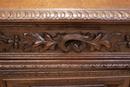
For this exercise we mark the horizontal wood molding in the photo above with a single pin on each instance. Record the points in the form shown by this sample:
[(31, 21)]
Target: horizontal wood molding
[(91, 74), (64, 64), (65, 56), (64, 15)]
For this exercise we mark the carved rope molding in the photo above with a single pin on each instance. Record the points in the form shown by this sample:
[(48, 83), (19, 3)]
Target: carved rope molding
[(51, 14), (73, 66), (77, 42)]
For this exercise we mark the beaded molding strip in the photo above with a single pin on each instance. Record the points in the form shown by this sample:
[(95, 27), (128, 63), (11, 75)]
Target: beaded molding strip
[(84, 14)]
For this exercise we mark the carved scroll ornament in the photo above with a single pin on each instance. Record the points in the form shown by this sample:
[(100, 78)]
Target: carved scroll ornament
[(77, 42)]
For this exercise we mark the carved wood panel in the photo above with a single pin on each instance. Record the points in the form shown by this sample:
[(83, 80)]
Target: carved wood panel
[(76, 52), (77, 42)]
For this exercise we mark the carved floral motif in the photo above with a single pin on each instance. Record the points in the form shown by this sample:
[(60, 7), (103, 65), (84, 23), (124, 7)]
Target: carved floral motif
[(66, 42)]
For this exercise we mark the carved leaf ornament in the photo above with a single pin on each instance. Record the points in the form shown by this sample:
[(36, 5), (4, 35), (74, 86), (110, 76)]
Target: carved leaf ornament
[(5, 43), (108, 40), (35, 40), (78, 42)]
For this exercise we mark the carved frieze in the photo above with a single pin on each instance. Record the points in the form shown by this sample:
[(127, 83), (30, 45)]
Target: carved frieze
[(77, 42)]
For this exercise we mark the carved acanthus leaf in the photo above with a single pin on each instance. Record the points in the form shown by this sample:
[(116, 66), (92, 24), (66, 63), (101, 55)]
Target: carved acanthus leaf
[(37, 41), (109, 40), (95, 43), (5, 43)]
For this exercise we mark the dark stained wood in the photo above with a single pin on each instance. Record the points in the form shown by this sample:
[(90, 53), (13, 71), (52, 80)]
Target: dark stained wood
[(39, 39), (64, 54), (75, 43)]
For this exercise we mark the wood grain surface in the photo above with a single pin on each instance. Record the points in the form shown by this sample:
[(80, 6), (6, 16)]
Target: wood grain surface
[(11, 4), (85, 46)]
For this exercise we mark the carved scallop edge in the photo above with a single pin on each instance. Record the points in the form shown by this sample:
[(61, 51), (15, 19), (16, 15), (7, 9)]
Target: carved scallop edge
[(64, 14), (65, 64), (65, 73)]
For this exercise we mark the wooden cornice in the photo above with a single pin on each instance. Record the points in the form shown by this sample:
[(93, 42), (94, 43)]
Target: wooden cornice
[(64, 15)]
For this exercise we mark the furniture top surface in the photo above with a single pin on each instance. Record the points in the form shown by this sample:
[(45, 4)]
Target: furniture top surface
[(22, 4)]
